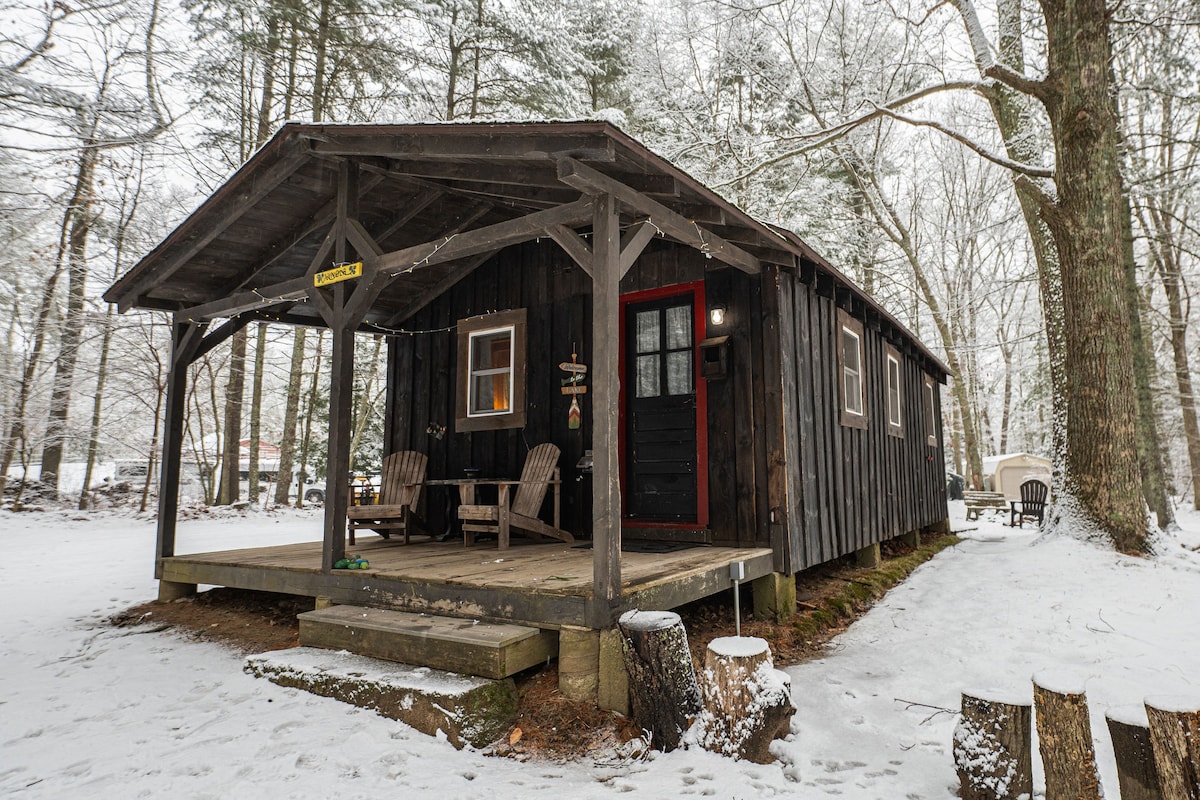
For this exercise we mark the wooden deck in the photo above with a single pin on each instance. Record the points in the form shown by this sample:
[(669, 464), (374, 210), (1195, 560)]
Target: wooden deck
[(544, 585)]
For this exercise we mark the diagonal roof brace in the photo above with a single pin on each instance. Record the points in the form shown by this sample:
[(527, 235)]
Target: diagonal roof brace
[(382, 269), (678, 227)]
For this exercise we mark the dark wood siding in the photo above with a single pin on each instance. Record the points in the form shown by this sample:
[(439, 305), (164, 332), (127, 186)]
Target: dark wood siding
[(776, 449), (847, 488), (557, 294)]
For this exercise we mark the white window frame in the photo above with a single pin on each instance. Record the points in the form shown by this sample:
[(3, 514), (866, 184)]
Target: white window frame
[(930, 414), (855, 417), (895, 403), (473, 373)]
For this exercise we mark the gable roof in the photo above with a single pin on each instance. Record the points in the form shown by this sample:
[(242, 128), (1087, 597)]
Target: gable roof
[(265, 228)]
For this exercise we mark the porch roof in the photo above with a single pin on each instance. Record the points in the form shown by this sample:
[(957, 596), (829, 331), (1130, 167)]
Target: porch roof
[(432, 202)]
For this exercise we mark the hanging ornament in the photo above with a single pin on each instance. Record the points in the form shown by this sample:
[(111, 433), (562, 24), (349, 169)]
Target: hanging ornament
[(574, 414)]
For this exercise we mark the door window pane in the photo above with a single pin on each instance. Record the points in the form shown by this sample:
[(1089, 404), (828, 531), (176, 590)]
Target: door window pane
[(679, 327), (647, 332), (679, 372), (647, 376)]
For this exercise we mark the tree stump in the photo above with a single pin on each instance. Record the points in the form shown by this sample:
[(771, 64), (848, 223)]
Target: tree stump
[(747, 702), (1175, 736), (662, 680), (1136, 772), (1065, 738), (993, 747)]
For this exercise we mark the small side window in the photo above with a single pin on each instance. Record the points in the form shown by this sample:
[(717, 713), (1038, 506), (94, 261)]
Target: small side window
[(895, 393), (491, 372), (931, 431), (852, 383)]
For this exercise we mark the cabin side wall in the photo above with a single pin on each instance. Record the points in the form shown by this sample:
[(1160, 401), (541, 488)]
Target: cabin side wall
[(848, 487)]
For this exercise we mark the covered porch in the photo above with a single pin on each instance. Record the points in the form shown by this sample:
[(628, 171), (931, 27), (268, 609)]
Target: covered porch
[(541, 585), (415, 219)]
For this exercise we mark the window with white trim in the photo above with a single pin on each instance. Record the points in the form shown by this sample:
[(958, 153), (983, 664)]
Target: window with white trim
[(491, 372), (931, 431), (852, 387), (895, 392)]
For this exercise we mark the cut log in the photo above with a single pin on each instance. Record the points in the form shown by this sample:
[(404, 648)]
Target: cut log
[(664, 695), (1136, 772), (747, 702), (1065, 738), (993, 748), (1175, 736)]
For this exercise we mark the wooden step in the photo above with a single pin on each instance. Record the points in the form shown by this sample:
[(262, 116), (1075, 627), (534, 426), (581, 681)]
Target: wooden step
[(457, 645)]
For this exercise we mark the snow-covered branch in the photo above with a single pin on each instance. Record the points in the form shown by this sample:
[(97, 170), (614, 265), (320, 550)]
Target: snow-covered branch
[(988, 66), (1007, 163)]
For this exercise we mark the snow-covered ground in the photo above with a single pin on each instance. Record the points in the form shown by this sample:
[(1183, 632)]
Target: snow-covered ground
[(91, 711)]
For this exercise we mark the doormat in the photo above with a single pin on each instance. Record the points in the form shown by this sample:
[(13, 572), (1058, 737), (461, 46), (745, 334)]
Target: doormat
[(645, 546)]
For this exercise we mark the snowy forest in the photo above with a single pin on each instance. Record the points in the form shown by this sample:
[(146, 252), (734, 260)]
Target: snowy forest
[(938, 153)]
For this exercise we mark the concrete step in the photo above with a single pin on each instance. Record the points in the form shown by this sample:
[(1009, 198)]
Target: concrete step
[(467, 710), (465, 646)]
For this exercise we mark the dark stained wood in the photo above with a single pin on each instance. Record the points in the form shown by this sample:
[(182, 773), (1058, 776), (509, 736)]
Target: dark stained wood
[(185, 338), (263, 185), (606, 378), (585, 179)]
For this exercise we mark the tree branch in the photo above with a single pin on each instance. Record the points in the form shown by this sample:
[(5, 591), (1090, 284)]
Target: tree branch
[(826, 136), (1015, 166), (987, 64)]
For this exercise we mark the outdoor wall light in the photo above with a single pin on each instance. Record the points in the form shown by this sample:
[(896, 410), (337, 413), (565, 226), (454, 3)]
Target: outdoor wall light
[(716, 315)]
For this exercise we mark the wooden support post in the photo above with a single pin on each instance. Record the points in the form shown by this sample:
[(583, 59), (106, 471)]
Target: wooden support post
[(662, 679), (606, 470), (170, 590), (868, 557), (1065, 738), (993, 750), (185, 339), (1175, 736), (1136, 771), (612, 694), (337, 462), (578, 662), (775, 596)]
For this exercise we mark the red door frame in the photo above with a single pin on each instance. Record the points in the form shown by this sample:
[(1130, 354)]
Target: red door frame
[(699, 326)]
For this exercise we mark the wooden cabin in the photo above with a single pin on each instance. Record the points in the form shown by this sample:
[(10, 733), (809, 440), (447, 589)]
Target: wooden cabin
[(745, 403)]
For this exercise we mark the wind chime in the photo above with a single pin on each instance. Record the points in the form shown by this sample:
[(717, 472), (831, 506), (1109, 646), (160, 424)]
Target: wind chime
[(573, 385)]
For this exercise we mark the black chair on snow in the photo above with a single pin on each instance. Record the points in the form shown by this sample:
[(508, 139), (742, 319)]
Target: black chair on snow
[(1032, 504)]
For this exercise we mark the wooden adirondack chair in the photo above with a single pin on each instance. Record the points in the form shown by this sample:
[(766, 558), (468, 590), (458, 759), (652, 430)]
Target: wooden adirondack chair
[(1032, 504), (540, 472), (399, 489)]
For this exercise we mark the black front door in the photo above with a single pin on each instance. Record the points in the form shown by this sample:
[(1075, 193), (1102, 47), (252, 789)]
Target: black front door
[(660, 421)]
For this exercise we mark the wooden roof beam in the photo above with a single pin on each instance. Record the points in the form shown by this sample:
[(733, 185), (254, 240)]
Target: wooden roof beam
[(531, 176), (388, 266), (259, 188), (474, 144), (586, 179)]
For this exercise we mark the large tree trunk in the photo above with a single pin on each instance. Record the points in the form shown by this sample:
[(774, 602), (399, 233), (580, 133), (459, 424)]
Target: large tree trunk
[(1102, 465), (260, 355), (287, 443), (80, 216), (748, 702), (1012, 112), (1150, 450), (230, 490)]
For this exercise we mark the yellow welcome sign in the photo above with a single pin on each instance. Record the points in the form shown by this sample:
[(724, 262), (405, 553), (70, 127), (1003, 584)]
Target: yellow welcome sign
[(344, 272)]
